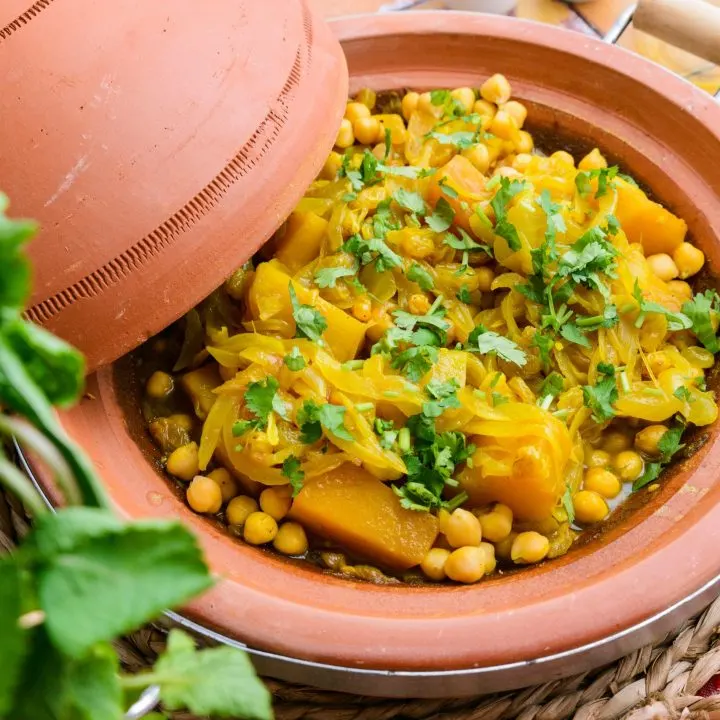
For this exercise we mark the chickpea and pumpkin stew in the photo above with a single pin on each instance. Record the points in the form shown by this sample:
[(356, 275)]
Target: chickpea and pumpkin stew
[(456, 354)]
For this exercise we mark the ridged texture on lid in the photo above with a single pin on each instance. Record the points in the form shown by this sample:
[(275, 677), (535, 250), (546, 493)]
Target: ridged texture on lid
[(159, 144)]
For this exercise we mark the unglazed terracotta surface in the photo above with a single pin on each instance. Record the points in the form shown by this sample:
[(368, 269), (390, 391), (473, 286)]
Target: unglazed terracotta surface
[(158, 144), (667, 134)]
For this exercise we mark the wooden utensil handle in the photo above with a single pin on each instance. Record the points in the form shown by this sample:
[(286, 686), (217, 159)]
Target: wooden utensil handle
[(693, 25)]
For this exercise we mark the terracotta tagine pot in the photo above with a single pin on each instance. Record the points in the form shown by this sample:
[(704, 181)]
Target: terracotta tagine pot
[(653, 565)]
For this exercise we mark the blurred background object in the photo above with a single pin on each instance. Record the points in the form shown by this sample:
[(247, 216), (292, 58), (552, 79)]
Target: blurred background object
[(593, 17)]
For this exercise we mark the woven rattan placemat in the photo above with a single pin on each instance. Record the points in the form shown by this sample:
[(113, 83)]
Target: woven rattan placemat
[(659, 681)]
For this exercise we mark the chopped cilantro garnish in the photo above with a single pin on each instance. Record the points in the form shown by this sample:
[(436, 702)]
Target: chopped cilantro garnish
[(463, 139), (415, 362), (463, 294), (291, 470), (442, 217), (417, 273), (572, 333), (682, 393), (604, 177), (309, 323), (412, 201), (388, 142), (499, 399), (555, 221), (327, 277), (374, 251), (568, 505), (650, 474), (601, 396), (312, 418), (294, 360), (484, 341), (544, 343), (675, 320), (260, 399), (439, 97), (590, 255), (508, 190), (700, 311), (552, 385), (451, 192), (668, 445), (464, 242), (444, 396)]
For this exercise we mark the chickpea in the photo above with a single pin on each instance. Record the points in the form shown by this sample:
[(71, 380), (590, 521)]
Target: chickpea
[(424, 104), (367, 97), (463, 528), (226, 483), (159, 385), (663, 266), (409, 104), (522, 160), (646, 441), (603, 482), (615, 442), (503, 125), (418, 304), (680, 289), (466, 564), (594, 160), (239, 509), (433, 564), (356, 110), (598, 459), (291, 539), (698, 357), (276, 501), (485, 277), (345, 137), (508, 172), (362, 309), (564, 158), (490, 561), (260, 528), (496, 89), (529, 547), (688, 259), (479, 156), (484, 108), (204, 495), (628, 465), (366, 130), (503, 549), (496, 525), (590, 507), (332, 165), (183, 462), (466, 97), (517, 111)]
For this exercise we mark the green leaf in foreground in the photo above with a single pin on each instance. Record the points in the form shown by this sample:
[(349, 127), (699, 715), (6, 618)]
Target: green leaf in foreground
[(98, 579), (412, 201), (219, 681), (699, 311), (14, 266), (327, 277), (13, 639), (417, 273), (294, 360), (291, 470), (442, 217)]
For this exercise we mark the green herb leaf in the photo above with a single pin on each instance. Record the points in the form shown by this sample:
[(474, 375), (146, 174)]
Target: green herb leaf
[(413, 172), (700, 310), (412, 201), (294, 360), (572, 333), (448, 190), (601, 397), (604, 177), (463, 294), (464, 242), (91, 688), (462, 140), (676, 321), (219, 681), (552, 385), (544, 343), (260, 399), (417, 273), (388, 143), (100, 578), (484, 341), (13, 639), (499, 399), (444, 397), (507, 191), (650, 474), (682, 393), (332, 418), (291, 470), (415, 362), (442, 217), (670, 443), (14, 266), (309, 323), (312, 418), (327, 277)]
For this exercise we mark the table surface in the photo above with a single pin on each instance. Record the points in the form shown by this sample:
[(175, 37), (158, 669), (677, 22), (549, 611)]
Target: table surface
[(595, 17)]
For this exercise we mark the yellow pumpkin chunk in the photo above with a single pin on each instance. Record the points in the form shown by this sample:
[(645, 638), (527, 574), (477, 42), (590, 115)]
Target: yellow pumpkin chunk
[(199, 385), (352, 508), (302, 239)]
